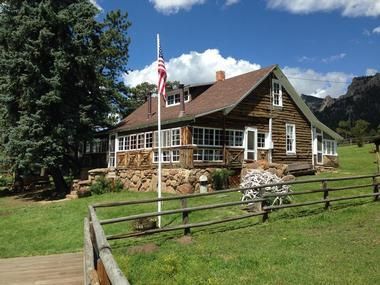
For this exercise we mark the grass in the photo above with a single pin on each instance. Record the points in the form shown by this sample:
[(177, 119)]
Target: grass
[(298, 246)]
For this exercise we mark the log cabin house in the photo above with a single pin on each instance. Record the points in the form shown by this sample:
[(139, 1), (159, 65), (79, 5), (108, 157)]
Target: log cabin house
[(254, 116)]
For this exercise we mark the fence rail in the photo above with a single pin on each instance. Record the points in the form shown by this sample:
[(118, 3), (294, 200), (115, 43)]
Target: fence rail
[(101, 268)]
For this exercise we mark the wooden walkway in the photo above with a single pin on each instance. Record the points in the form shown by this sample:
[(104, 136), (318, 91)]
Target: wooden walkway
[(56, 269)]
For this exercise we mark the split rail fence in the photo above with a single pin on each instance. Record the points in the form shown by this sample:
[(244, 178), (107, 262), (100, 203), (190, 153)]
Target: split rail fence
[(101, 267)]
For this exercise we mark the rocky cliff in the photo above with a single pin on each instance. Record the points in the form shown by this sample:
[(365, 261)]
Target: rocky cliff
[(362, 101)]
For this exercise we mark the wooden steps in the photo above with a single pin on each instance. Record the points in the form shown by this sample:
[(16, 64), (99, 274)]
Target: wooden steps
[(43, 270)]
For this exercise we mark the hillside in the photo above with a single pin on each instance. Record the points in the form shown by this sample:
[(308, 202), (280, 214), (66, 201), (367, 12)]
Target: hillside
[(362, 101)]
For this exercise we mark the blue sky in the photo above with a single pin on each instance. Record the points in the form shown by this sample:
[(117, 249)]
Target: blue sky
[(328, 41)]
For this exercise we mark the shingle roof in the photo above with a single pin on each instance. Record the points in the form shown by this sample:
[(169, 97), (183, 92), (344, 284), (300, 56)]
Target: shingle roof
[(221, 95)]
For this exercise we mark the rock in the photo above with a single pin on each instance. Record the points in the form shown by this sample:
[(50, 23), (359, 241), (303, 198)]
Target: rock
[(83, 193), (288, 178), (186, 188), (84, 182), (169, 189), (272, 170), (135, 179), (173, 172)]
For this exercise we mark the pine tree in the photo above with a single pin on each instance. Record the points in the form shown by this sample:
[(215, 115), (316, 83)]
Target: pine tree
[(60, 72)]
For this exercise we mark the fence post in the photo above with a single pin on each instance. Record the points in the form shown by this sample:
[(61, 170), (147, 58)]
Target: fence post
[(375, 188), (263, 204), (185, 216), (325, 193)]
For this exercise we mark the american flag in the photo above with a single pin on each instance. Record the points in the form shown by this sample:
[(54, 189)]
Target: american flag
[(161, 74)]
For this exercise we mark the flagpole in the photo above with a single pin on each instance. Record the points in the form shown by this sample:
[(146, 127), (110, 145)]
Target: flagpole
[(159, 174)]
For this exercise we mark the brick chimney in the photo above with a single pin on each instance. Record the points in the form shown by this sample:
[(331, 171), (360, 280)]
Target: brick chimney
[(220, 75), (182, 100)]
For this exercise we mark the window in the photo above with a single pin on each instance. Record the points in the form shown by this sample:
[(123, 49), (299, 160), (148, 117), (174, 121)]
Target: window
[(234, 138), (276, 93), (167, 156), (133, 142), (290, 138), (187, 96), (121, 143), (198, 136), (329, 147), (174, 99), (175, 155), (262, 140), (176, 137), (148, 140), (126, 143), (140, 141), (99, 145), (208, 155)]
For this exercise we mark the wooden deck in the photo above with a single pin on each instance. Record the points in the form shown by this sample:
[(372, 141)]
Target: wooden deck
[(43, 270)]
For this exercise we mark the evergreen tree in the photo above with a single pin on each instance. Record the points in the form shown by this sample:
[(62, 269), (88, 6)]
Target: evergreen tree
[(60, 76)]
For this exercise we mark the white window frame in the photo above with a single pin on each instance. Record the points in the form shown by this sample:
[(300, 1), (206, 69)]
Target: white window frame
[(279, 94), (333, 145), (215, 141), (202, 155), (179, 102), (266, 140), (293, 150)]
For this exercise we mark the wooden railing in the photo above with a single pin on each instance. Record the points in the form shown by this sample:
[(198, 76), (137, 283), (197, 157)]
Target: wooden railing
[(101, 267)]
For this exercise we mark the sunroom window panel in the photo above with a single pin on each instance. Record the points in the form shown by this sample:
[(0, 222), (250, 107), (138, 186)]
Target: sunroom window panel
[(209, 137), (198, 136), (121, 143), (148, 140), (133, 142), (141, 140), (176, 137), (218, 137), (239, 138), (126, 143)]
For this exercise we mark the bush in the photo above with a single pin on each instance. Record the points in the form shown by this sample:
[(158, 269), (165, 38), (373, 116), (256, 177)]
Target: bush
[(220, 178), (103, 185), (100, 186), (118, 186), (5, 180)]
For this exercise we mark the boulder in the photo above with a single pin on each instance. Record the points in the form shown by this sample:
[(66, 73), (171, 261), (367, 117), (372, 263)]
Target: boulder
[(186, 188)]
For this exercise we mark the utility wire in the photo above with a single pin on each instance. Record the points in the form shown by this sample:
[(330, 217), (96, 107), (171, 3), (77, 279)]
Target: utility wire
[(319, 80)]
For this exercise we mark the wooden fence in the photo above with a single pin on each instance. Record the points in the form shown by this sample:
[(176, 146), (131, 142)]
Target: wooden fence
[(101, 268)]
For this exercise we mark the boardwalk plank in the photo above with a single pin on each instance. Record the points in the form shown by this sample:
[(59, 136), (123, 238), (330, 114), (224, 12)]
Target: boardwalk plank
[(42, 270)]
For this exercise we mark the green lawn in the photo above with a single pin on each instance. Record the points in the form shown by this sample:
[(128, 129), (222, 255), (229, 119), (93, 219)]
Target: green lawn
[(298, 246)]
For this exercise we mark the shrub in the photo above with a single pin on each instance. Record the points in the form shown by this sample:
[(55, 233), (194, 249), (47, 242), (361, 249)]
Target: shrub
[(100, 186), (103, 185), (220, 178), (118, 186)]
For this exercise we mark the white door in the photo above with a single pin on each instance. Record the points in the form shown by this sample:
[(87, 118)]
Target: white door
[(250, 143), (319, 149)]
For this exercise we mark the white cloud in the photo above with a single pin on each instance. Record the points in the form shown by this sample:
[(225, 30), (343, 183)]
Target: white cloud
[(376, 30), (231, 2), (193, 67), (350, 8), (93, 2), (371, 71), (334, 58), (305, 58), (173, 6), (200, 67), (318, 84)]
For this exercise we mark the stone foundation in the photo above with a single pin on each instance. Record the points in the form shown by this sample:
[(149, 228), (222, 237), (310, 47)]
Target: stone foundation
[(182, 181)]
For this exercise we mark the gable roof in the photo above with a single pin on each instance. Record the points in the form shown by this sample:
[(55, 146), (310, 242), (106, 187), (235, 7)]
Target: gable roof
[(221, 96)]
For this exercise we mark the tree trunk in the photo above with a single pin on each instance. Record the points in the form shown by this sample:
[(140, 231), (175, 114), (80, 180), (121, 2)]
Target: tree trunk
[(60, 184)]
